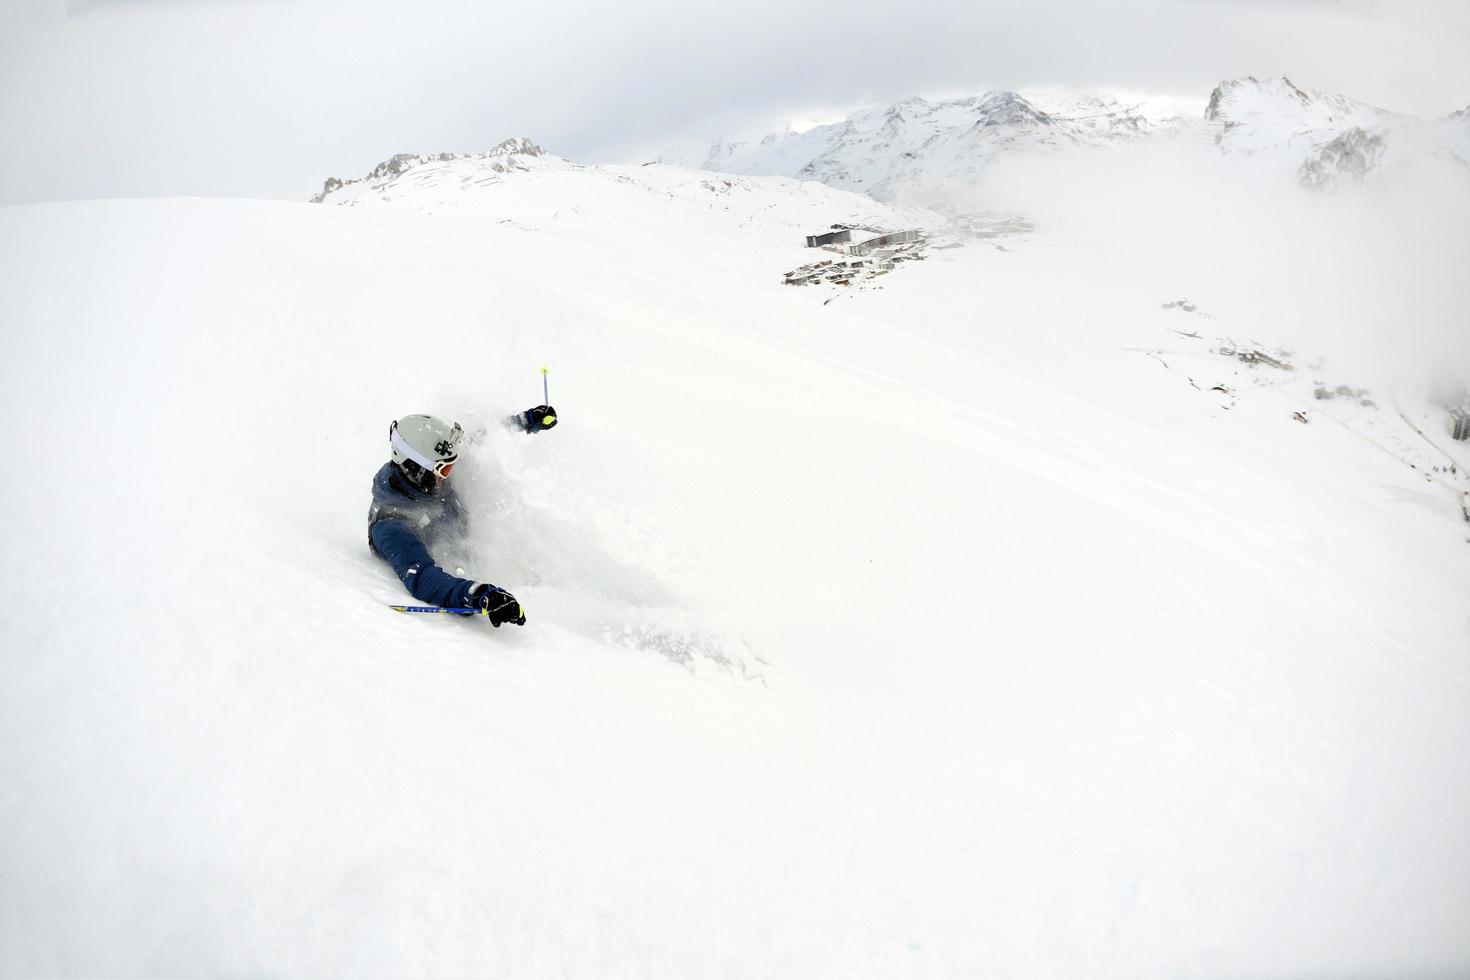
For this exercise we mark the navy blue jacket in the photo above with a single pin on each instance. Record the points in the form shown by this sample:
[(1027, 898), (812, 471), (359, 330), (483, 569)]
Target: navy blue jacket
[(401, 519)]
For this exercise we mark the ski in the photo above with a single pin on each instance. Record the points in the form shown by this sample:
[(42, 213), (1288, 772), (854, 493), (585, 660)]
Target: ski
[(434, 609)]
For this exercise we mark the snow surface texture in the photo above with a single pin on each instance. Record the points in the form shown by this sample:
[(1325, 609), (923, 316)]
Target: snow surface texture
[(922, 152), (1000, 621)]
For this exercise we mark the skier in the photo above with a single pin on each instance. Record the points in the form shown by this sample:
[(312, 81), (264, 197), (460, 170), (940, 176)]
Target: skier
[(413, 506)]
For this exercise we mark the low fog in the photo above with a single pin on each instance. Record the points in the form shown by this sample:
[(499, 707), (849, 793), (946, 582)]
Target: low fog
[(1369, 276)]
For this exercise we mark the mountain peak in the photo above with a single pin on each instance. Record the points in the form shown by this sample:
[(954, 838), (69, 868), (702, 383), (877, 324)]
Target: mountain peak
[(517, 146), (1254, 114), (1250, 87), (506, 156), (1009, 109), (912, 102)]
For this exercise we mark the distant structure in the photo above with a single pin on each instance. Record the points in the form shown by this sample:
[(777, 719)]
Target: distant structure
[(885, 241), (840, 236), (876, 255), (1460, 420), (878, 252)]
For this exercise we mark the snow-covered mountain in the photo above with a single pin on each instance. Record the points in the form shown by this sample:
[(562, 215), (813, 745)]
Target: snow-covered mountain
[(922, 151), (1254, 114), (914, 147), (510, 155), (519, 182), (1331, 139), (1029, 614)]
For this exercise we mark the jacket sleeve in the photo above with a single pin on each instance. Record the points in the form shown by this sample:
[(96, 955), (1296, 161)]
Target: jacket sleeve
[(400, 547)]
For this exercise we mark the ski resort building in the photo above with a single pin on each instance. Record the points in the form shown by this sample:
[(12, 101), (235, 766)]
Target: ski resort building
[(838, 236), (885, 241)]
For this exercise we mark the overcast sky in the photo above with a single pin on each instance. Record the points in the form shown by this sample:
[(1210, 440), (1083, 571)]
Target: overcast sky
[(269, 97)]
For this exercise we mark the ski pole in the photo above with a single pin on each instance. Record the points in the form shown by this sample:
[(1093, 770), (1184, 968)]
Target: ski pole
[(433, 609), (545, 395)]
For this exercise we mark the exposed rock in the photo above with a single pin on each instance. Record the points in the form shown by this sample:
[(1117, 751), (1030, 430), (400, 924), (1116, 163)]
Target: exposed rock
[(332, 184), (503, 158), (1350, 158), (519, 146), (1010, 109)]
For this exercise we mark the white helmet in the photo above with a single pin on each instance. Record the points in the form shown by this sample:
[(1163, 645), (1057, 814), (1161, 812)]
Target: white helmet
[(425, 448)]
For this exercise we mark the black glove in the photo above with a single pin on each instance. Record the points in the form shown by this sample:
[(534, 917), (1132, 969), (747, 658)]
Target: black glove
[(538, 418), (498, 605)]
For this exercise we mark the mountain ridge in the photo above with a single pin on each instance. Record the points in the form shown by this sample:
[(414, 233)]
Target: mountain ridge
[(515, 153), (915, 147)]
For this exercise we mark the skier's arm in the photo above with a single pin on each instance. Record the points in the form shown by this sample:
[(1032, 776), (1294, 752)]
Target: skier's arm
[(536, 419), (395, 541)]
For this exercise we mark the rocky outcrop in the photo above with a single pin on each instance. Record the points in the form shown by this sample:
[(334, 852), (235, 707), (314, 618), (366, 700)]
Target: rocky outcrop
[(1350, 158), (509, 155)]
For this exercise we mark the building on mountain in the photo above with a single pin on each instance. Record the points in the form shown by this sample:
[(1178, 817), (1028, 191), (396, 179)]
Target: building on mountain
[(838, 236), (884, 241)]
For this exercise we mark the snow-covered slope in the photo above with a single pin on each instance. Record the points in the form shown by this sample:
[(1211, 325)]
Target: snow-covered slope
[(924, 631)]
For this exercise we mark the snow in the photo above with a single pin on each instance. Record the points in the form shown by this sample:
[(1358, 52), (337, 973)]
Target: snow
[(952, 628)]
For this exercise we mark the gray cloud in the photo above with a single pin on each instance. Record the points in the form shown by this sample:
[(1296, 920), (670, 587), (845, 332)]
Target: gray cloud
[(268, 97)]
